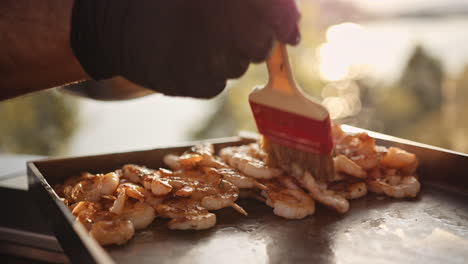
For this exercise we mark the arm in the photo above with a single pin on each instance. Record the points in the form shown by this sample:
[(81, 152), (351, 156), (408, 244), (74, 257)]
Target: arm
[(181, 48), (35, 53)]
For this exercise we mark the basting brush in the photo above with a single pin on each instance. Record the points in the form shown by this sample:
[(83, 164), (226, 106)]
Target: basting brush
[(296, 129)]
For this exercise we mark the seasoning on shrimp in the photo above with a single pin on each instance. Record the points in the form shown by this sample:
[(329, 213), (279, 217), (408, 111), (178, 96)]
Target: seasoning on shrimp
[(112, 206)]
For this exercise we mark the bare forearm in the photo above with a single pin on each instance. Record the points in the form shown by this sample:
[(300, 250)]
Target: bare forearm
[(35, 53)]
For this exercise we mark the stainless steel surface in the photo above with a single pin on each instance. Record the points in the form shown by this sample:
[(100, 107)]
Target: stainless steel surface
[(433, 228), (116, 88)]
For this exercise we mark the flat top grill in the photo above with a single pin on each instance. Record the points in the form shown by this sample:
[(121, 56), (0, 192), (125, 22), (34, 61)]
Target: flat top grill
[(432, 228)]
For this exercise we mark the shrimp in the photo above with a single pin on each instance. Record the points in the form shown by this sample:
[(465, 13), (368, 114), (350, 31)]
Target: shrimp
[(350, 190), (343, 164), (206, 151), (240, 159), (134, 173), (109, 183), (210, 164), (408, 186), (91, 187), (199, 155), (360, 148), (160, 187), (113, 231), (186, 214), (64, 190), (218, 201), (126, 190), (398, 158), (119, 203), (105, 227), (211, 189), (206, 186), (324, 195), (132, 190), (355, 144), (150, 179), (189, 160), (172, 161), (152, 200), (372, 160), (185, 191), (236, 178), (288, 203), (288, 182), (139, 213), (195, 222), (85, 211)]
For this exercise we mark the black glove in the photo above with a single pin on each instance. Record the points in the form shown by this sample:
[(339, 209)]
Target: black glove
[(179, 47)]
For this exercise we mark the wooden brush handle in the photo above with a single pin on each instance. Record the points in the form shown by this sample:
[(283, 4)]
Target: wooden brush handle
[(279, 71)]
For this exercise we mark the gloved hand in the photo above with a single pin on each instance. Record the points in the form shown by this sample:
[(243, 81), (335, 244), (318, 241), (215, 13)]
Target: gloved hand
[(179, 47)]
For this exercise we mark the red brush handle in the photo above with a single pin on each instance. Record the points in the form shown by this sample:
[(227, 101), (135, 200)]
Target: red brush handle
[(293, 130)]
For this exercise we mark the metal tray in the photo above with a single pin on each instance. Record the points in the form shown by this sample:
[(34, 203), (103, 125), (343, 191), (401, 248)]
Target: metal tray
[(432, 228)]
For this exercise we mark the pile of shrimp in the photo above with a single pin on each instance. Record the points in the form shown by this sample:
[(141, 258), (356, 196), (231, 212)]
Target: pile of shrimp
[(112, 206), (360, 167)]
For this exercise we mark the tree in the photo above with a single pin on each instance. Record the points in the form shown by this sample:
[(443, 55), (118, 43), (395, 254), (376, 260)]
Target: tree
[(423, 77), (39, 123), (412, 108)]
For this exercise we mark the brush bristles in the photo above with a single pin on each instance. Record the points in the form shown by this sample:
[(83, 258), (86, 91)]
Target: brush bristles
[(319, 165)]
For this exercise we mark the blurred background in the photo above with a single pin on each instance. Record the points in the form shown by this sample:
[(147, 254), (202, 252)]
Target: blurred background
[(394, 66)]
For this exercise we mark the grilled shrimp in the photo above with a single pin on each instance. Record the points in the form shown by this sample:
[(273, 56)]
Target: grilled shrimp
[(172, 161), (85, 211), (135, 173), (353, 144), (206, 151), (201, 155), (150, 179), (186, 214), (152, 200), (138, 212), (343, 164), (211, 189), (106, 227), (398, 158), (240, 159), (160, 186), (210, 164), (360, 148), (113, 231), (324, 195), (124, 191), (198, 155), (196, 222), (91, 187), (350, 191), (407, 186), (206, 185), (288, 203), (235, 177)]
